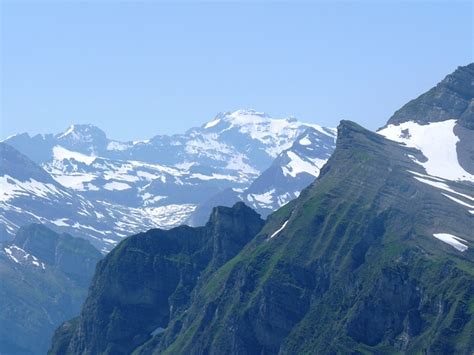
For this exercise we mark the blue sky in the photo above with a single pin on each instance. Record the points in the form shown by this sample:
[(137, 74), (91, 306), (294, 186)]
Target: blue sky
[(145, 68)]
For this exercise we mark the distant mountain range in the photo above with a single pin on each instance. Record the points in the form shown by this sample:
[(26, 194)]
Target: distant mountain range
[(375, 256), (291, 171), (81, 182)]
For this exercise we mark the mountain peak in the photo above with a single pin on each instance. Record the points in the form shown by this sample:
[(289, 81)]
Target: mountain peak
[(461, 80), (451, 98), (245, 116), (249, 112), (239, 117), (82, 132), (346, 129)]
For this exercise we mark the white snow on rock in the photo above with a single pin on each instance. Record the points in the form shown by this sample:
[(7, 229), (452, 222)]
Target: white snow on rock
[(455, 242), (279, 229), (61, 222), (298, 165), (442, 186), (305, 141), (169, 215), (214, 176), (115, 185), (212, 123), (61, 153), (458, 201), (277, 134), (265, 198), (76, 181), (20, 256), (436, 141), (68, 132), (11, 188), (114, 145)]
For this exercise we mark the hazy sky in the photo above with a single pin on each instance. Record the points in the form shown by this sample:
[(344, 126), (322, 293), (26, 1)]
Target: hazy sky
[(144, 68)]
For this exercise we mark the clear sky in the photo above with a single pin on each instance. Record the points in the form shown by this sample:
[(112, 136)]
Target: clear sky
[(136, 69)]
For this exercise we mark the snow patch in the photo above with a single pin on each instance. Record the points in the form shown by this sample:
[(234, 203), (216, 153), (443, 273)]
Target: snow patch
[(452, 240), (305, 141), (76, 181), (265, 198), (458, 201), (279, 229), (115, 185), (442, 186), (298, 165), (12, 188), (61, 153), (20, 256), (436, 141), (214, 176), (212, 123), (61, 222), (114, 145)]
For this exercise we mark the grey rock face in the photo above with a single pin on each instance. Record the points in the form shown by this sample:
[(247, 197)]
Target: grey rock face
[(452, 98)]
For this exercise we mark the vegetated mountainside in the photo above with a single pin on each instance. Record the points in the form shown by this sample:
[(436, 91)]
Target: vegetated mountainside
[(366, 259), (369, 258), (149, 277), (375, 256), (291, 171), (44, 280), (157, 183)]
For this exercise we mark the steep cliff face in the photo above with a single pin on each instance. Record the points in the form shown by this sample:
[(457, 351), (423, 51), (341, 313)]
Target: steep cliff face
[(149, 277), (354, 264)]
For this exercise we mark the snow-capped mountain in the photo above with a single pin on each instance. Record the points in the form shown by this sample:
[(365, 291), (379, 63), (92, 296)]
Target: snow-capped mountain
[(30, 195), (291, 171), (244, 140), (439, 126), (112, 188)]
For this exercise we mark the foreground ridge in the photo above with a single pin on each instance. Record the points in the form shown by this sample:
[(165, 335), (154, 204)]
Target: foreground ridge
[(355, 263)]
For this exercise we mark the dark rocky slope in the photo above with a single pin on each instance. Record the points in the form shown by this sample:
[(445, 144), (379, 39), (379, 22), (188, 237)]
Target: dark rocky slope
[(44, 280), (351, 266), (148, 278), (452, 98)]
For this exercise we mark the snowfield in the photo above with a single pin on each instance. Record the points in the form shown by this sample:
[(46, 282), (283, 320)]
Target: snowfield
[(437, 142)]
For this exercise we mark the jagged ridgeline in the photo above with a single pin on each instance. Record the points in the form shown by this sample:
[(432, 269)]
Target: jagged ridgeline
[(352, 265)]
